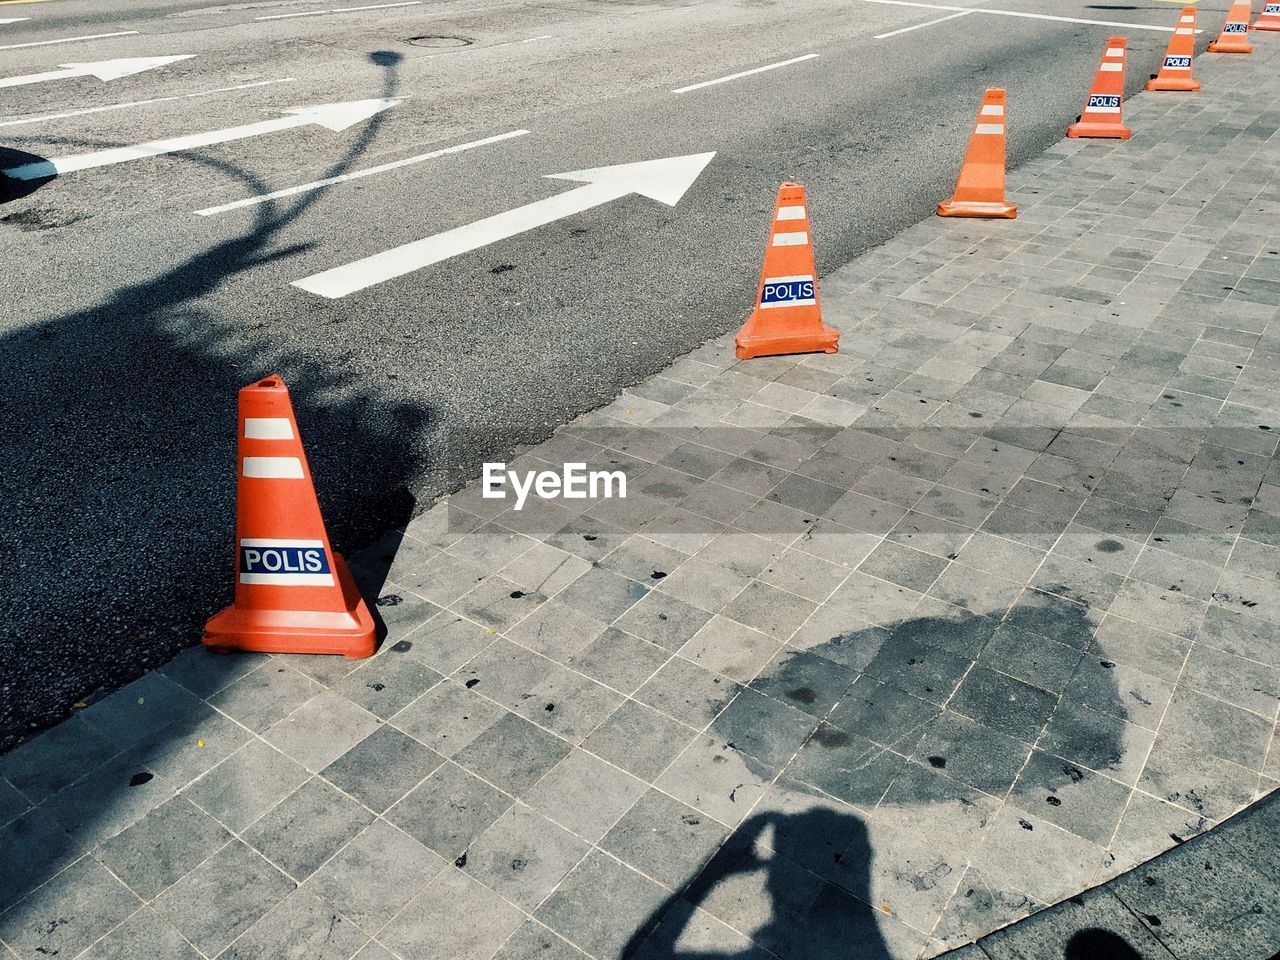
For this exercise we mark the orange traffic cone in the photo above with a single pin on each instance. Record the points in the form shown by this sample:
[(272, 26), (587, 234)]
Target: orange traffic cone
[(1175, 69), (293, 593), (1269, 18), (1235, 32), (1101, 117), (786, 318), (980, 189)]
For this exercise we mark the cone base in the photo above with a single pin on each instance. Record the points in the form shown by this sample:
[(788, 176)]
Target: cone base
[(349, 633), (1220, 47), (748, 346), (1266, 26), (981, 209), (1178, 84), (1098, 131)]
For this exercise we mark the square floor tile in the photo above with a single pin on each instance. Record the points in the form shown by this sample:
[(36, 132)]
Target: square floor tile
[(142, 932), (602, 905), (246, 785), (382, 768), (307, 828), (242, 884), (321, 730), (619, 660), (664, 839), (804, 680), (639, 739), (162, 847), (452, 918), (387, 683), (1087, 804), (36, 847), (584, 794), (449, 810), (523, 856), (687, 692), (1003, 703), (266, 695), (448, 717), (374, 875), (68, 913), (663, 620), (513, 754), (728, 648), (764, 728), (309, 926)]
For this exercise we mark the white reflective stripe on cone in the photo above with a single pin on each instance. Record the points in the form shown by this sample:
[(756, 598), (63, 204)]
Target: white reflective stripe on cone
[(796, 239), (268, 428), (791, 213), (273, 468), (992, 110), (989, 128)]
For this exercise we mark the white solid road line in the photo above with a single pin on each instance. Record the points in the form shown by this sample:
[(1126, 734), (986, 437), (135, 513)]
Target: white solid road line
[(744, 73), (1029, 16), (333, 116), (357, 175), (13, 20), (92, 36), (918, 26), (319, 13), (665, 181), (140, 103)]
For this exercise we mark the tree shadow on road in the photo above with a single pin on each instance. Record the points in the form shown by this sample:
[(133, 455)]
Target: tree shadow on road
[(119, 450)]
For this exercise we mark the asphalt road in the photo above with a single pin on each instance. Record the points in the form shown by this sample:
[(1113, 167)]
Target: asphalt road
[(128, 321)]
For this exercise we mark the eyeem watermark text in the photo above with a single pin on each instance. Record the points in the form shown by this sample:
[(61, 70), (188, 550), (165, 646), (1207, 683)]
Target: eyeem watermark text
[(575, 482)]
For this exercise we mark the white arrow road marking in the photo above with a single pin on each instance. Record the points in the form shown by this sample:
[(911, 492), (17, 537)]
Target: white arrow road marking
[(335, 116), (102, 69), (663, 180), (92, 36)]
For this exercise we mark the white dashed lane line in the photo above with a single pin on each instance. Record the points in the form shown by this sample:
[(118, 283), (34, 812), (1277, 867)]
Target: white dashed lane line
[(918, 26), (319, 13), (357, 175), (140, 103), (92, 36), (744, 73)]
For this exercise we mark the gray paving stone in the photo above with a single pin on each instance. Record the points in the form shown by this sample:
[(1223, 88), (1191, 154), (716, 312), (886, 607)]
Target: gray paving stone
[(306, 828), (533, 941), (619, 660), (307, 924), (448, 810), (382, 768), (601, 905), (139, 709), (513, 754), (374, 875), (36, 848), (246, 785), (447, 717), (57, 758), (523, 856), (265, 695), (569, 704), (68, 913), (12, 803), (452, 918), (687, 692), (764, 728), (387, 683), (639, 739), (321, 730), (143, 934), (239, 881), (108, 799), (162, 847), (664, 839)]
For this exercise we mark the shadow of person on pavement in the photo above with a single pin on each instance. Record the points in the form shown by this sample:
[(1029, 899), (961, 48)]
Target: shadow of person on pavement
[(775, 855), (1097, 944)]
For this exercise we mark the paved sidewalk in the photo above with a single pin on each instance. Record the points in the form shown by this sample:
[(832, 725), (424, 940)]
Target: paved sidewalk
[(884, 650)]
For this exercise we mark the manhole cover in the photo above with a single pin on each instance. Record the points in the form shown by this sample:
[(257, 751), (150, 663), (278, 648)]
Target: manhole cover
[(438, 41)]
